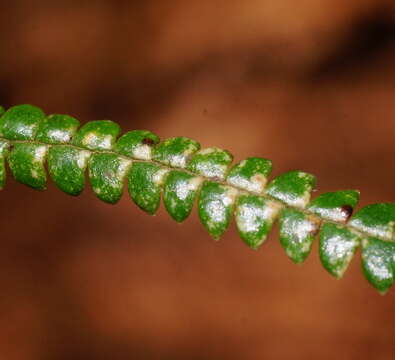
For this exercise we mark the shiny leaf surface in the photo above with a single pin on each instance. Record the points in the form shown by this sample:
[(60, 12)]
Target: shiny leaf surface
[(293, 188), (27, 164), (337, 248), (215, 207), (179, 194), (254, 218), (378, 263), (145, 185), (66, 166), (297, 231), (107, 173), (211, 163)]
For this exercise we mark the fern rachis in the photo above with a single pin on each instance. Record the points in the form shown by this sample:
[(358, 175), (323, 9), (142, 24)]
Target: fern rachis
[(181, 172)]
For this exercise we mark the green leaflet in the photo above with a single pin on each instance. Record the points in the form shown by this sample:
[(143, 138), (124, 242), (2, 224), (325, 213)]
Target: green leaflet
[(335, 206), (377, 220), (66, 166), (57, 129), (27, 164), (107, 173), (175, 152), (250, 174), (176, 166), (179, 194), (293, 188), (254, 218), (378, 263), (215, 207), (297, 232), (211, 163), (337, 248), (21, 122), (145, 185), (137, 144), (97, 135)]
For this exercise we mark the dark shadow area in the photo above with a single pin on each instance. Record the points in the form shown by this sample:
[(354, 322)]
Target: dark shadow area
[(367, 41)]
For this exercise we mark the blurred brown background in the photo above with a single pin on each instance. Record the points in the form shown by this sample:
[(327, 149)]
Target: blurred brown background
[(308, 84)]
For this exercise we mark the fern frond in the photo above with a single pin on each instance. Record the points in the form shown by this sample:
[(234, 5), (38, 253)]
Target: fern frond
[(183, 173)]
